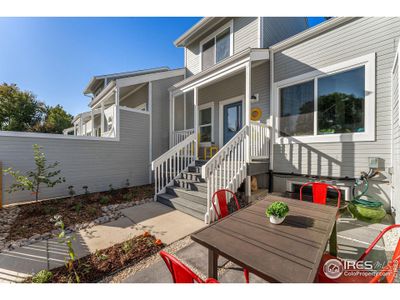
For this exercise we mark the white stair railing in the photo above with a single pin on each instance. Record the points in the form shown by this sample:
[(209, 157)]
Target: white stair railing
[(259, 140), (227, 169), (176, 160), (181, 135)]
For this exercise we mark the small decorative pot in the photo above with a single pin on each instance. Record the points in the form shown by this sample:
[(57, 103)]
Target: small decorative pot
[(276, 220)]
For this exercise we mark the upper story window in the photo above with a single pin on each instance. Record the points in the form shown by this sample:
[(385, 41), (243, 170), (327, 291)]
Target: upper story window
[(336, 104), (216, 47)]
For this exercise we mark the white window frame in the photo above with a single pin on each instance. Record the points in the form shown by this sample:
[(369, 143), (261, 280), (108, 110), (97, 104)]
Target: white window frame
[(214, 36), (368, 61), (203, 107)]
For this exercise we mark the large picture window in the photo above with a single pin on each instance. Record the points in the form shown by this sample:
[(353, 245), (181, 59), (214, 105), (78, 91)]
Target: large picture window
[(336, 103), (341, 99), (216, 48)]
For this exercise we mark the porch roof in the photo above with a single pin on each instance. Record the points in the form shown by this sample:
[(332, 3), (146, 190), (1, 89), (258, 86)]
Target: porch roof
[(221, 70)]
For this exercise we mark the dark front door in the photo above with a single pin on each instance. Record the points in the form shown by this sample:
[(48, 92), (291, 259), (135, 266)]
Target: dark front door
[(232, 120)]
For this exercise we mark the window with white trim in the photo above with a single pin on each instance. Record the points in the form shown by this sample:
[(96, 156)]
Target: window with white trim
[(216, 48), (333, 104), (205, 124)]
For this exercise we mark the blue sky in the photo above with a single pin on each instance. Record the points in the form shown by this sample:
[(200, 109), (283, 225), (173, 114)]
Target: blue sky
[(56, 57)]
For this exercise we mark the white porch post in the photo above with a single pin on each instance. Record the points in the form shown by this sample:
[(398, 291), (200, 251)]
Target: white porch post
[(75, 131), (116, 120), (196, 119), (92, 119), (102, 119), (150, 109), (172, 118), (247, 122), (184, 111), (80, 126)]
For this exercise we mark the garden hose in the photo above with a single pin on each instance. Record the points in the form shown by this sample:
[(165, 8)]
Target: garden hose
[(362, 206)]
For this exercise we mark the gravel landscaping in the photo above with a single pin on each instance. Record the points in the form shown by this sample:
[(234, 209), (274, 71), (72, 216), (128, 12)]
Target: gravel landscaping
[(25, 224)]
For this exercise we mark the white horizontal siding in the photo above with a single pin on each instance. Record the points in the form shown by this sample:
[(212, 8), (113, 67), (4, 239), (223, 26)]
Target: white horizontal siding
[(95, 163), (396, 139)]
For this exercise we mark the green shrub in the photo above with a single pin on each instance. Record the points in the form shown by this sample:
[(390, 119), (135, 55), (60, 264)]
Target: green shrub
[(43, 276), (104, 200), (78, 207), (127, 246), (278, 209)]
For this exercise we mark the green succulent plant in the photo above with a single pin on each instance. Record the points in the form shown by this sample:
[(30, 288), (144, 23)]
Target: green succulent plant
[(278, 209)]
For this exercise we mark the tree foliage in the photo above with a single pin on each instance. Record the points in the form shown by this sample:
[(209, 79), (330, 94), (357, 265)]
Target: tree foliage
[(21, 111), (43, 174)]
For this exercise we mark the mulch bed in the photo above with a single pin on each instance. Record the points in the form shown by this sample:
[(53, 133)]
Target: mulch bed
[(34, 218), (96, 266)]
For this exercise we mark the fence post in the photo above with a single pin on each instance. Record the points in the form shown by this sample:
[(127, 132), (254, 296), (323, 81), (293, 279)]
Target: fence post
[(1, 184)]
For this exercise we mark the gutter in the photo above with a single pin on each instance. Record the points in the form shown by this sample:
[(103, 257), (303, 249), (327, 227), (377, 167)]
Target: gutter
[(311, 32), (179, 42)]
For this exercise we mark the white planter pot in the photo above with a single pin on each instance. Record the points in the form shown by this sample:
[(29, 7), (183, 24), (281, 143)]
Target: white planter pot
[(276, 220)]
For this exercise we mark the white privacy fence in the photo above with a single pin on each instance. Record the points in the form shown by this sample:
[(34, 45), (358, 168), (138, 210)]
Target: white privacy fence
[(169, 165), (181, 135)]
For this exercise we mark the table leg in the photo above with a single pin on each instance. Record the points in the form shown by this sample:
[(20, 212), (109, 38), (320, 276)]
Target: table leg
[(212, 264), (333, 242)]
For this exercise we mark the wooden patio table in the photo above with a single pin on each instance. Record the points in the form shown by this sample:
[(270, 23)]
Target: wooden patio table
[(288, 252)]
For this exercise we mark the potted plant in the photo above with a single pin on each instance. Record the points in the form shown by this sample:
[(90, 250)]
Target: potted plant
[(277, 212)]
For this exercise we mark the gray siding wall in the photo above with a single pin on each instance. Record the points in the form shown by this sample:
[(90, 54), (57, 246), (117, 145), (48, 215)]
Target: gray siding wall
[(235, 86), (161, 114), (245, 35), (396, 139), (95, 163), (137, 98), (179, 113), (351, 40), (276, 29)]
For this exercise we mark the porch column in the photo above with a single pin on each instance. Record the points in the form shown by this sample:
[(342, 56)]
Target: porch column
[(247, 122), (172, 118), (184, 111), (196, 119), (75, 131), (102, 119), (116, 113), (80, 126), (92, 119), (150, 109)]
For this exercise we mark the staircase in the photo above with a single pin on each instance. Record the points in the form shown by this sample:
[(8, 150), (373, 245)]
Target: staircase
[(188, 192), (187, 184)]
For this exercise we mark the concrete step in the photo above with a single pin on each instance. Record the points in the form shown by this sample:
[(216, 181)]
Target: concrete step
[(193, 176), (193, 196), (184, 205), (195, 169), (191, 185)]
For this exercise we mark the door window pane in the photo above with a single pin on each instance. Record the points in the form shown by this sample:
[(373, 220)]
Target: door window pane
[(297, 109), (223, 45), (207, 59), (341, 100)]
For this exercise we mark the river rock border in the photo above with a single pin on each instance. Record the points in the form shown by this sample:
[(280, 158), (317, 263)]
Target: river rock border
[(8, 215)]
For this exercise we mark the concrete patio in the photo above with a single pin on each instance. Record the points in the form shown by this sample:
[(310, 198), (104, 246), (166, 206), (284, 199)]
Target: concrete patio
[(353, 238)]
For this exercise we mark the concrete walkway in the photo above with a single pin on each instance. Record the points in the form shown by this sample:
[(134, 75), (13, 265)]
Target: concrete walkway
[(165, 223)]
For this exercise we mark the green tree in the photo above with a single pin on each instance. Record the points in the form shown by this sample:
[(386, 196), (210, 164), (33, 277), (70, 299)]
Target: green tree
[(19, 110), (56, 120), (44, 174)]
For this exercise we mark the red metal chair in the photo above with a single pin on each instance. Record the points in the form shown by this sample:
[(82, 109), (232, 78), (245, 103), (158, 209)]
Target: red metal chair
[(181, 273), (224, 211), (388, 272), (320, 191)]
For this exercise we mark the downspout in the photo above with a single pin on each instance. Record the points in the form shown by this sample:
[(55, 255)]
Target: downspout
[(272, 120)]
